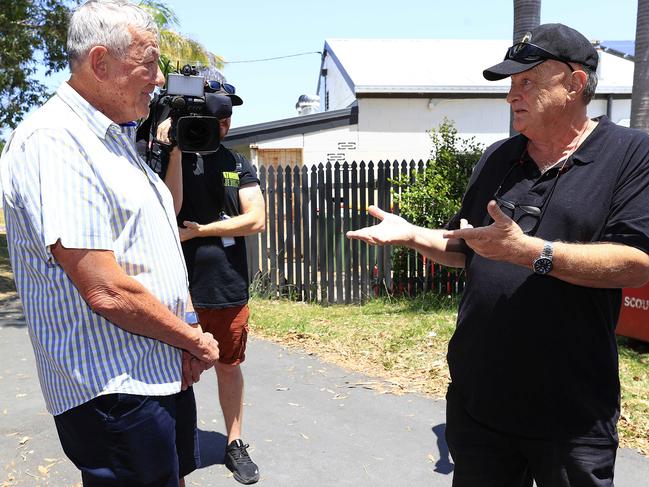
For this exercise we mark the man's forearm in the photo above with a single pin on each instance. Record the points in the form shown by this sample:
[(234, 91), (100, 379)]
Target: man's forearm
[(431, 243), (132, 307), (126, 303), (237, 226), (174, 178), (599, 265)]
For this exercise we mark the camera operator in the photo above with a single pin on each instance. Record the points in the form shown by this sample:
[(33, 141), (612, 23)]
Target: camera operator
[(218, 202)]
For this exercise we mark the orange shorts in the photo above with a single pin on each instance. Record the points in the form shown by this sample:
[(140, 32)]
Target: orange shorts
[(230, 328)]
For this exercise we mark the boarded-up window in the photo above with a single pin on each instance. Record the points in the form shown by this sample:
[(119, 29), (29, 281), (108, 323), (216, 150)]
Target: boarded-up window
[(279, 157)]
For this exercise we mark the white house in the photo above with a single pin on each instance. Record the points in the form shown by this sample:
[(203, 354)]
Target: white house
[(381, 97)]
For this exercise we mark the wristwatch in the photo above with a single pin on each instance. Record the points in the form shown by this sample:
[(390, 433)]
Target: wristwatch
[(191, 318), (543, 263)]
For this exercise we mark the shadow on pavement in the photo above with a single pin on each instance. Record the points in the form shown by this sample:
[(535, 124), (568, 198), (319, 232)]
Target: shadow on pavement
[(211, 447), (11, 313), (444, 464)]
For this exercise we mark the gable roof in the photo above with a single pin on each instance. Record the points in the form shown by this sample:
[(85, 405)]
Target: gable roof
[(251, 134), (430, 66)]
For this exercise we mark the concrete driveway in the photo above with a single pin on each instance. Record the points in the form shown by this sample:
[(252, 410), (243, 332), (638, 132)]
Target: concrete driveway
[(308, 423)]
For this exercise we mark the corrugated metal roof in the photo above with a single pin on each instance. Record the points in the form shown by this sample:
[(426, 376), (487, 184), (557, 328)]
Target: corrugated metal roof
[(441, 66)]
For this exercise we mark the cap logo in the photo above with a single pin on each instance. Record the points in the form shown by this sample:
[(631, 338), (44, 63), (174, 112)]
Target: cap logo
[(527, 37)]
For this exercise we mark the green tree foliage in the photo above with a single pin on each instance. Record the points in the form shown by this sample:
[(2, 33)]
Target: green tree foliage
[(431, 197), (32, 34)]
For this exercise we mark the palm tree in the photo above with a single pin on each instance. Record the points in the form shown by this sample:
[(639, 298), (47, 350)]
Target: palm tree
[(177, 49), (640, 93), (527, 16)]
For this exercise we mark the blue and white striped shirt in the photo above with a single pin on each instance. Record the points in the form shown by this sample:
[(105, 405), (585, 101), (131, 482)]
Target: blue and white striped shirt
[(70, 173)]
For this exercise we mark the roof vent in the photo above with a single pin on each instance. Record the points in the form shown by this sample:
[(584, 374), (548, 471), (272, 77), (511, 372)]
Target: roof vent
[(308, 104)]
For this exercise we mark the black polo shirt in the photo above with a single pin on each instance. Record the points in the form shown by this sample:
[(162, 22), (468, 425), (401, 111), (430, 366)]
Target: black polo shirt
[(533, 355)]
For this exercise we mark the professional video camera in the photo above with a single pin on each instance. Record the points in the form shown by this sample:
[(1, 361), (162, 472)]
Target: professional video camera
[(194, 114)]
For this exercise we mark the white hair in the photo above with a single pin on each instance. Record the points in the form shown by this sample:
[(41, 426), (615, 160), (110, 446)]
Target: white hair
[(105, 23)]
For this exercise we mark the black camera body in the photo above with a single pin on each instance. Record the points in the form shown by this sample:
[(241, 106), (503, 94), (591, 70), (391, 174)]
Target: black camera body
[(194, 114)]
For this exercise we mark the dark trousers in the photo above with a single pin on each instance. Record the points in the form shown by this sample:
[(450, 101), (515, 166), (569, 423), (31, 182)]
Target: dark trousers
[(124, 439), (484, 457)]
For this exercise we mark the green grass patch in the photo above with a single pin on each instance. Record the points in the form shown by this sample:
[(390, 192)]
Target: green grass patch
[(404, 341)]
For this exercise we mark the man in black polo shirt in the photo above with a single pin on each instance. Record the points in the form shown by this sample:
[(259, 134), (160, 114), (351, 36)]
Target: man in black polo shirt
[(553, 224), (219, 202)]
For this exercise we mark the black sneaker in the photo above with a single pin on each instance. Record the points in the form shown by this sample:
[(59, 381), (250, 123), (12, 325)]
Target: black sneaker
[(239, 463)]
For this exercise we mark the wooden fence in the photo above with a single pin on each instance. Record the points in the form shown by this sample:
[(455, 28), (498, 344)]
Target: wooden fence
[(304, 254)]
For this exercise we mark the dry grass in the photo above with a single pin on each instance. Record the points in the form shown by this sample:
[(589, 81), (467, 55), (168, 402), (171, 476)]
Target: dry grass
[(405, 342)]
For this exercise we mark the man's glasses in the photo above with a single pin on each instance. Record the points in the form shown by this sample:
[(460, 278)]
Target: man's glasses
[(527, 53), (215, 86), (528, 216)]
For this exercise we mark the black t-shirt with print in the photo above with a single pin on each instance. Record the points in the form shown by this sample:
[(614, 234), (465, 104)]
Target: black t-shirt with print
[(218, 275), (533, 355)]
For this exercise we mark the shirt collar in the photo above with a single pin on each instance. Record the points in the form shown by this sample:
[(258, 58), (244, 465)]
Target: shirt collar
[(593, 144), (97, 121), (589, 149)]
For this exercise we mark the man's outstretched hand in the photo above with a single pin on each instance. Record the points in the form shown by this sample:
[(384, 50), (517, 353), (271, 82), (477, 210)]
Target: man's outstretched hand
[(502, 240), (392, 229)]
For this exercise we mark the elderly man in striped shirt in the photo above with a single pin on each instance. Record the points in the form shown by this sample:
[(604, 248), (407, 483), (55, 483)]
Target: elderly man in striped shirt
[(98, 264)]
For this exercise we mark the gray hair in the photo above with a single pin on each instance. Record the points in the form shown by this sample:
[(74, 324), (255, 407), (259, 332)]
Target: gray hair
[(591, 85), (105, 23)]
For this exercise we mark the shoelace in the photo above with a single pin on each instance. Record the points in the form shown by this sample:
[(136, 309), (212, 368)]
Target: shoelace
[(241, 453)]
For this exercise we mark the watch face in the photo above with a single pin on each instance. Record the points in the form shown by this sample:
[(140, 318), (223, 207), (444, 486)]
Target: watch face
[(542, 265)]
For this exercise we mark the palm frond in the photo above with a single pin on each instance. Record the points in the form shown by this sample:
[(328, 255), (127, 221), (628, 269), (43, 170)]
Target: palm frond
[(181, 49), (162, 14)]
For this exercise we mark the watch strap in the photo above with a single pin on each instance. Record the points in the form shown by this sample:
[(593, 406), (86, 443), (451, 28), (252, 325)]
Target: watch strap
[(548, 249), (191, 317)]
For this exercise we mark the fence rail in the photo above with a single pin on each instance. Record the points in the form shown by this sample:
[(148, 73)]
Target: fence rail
[(304, 254)]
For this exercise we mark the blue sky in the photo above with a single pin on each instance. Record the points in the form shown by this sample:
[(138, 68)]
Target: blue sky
[(241, 30)]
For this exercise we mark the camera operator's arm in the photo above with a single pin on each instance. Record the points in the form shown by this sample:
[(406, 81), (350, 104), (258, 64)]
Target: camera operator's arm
[(251, 220), (174, 176)]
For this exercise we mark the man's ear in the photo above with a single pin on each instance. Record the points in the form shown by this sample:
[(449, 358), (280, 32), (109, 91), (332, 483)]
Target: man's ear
[(98, 59), (578, 80)]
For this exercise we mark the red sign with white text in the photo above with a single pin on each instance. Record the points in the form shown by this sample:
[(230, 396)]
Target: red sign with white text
[(634, 316)]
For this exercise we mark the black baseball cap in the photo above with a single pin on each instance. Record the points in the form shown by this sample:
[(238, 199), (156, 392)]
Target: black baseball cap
[(223, 88), (547, 41)]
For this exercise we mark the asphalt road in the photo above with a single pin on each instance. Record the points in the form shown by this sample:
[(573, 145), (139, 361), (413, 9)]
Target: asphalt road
[(309, 424)]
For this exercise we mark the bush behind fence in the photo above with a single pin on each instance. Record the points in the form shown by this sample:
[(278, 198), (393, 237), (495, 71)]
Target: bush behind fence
[(304, 254)]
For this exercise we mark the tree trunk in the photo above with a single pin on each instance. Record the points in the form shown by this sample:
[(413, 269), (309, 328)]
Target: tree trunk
[(640, 94), (527, 15)]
